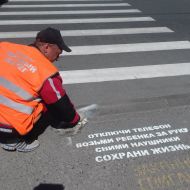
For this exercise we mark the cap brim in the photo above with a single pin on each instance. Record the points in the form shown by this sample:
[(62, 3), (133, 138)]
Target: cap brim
[(65, 47)]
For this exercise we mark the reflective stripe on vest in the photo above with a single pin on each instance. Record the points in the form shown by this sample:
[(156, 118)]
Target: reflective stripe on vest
[(15, 105), (16, 89)]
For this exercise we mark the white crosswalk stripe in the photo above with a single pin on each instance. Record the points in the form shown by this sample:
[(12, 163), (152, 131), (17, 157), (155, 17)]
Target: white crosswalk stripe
[(125, 73), (126, 48), (109, 7), (72, 21), (59, 0), (68, 5), (95, 32), (76, 12)]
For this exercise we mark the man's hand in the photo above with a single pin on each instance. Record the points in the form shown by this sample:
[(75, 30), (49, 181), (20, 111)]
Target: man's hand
[(70, 131), (83, 121), (84, 113)]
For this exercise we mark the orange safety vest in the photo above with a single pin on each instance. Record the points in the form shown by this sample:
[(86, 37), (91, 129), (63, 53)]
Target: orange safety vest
[(23, 70)]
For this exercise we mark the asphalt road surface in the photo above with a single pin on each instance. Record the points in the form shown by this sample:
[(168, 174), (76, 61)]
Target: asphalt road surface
[(130, 60)]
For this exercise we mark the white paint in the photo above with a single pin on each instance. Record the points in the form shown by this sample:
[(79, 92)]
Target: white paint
[(161, 134), (112, 147), (69, 141), (110, 133), (75, 21), (88, 111), (58, 0), (178, 131), (67, 5), (138, 153), (70, 12), (135, 137), (154, 142), (125, 73), (127, 131), (94, 32), (151, 128), (109, 157), (135, 143), (126, 48), (171, 148), (116, 31), (88, 108), (94, 143), (122, 155)]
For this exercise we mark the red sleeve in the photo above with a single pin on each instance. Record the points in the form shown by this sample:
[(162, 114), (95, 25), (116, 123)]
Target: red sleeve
[(52, 90), (53, 93)]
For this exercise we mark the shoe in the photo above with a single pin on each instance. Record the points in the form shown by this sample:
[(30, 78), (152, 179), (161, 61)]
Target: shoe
[(20, 145), (70, 131)]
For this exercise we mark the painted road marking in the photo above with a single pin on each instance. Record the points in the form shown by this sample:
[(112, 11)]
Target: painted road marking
[(70, 12), (88, 111), (95, 32), (68, 5), (72, 21), (58, 0), (125, 73), (125, 48)]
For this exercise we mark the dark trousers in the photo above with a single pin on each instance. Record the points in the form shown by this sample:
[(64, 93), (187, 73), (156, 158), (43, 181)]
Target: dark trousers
[(39, 127)]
